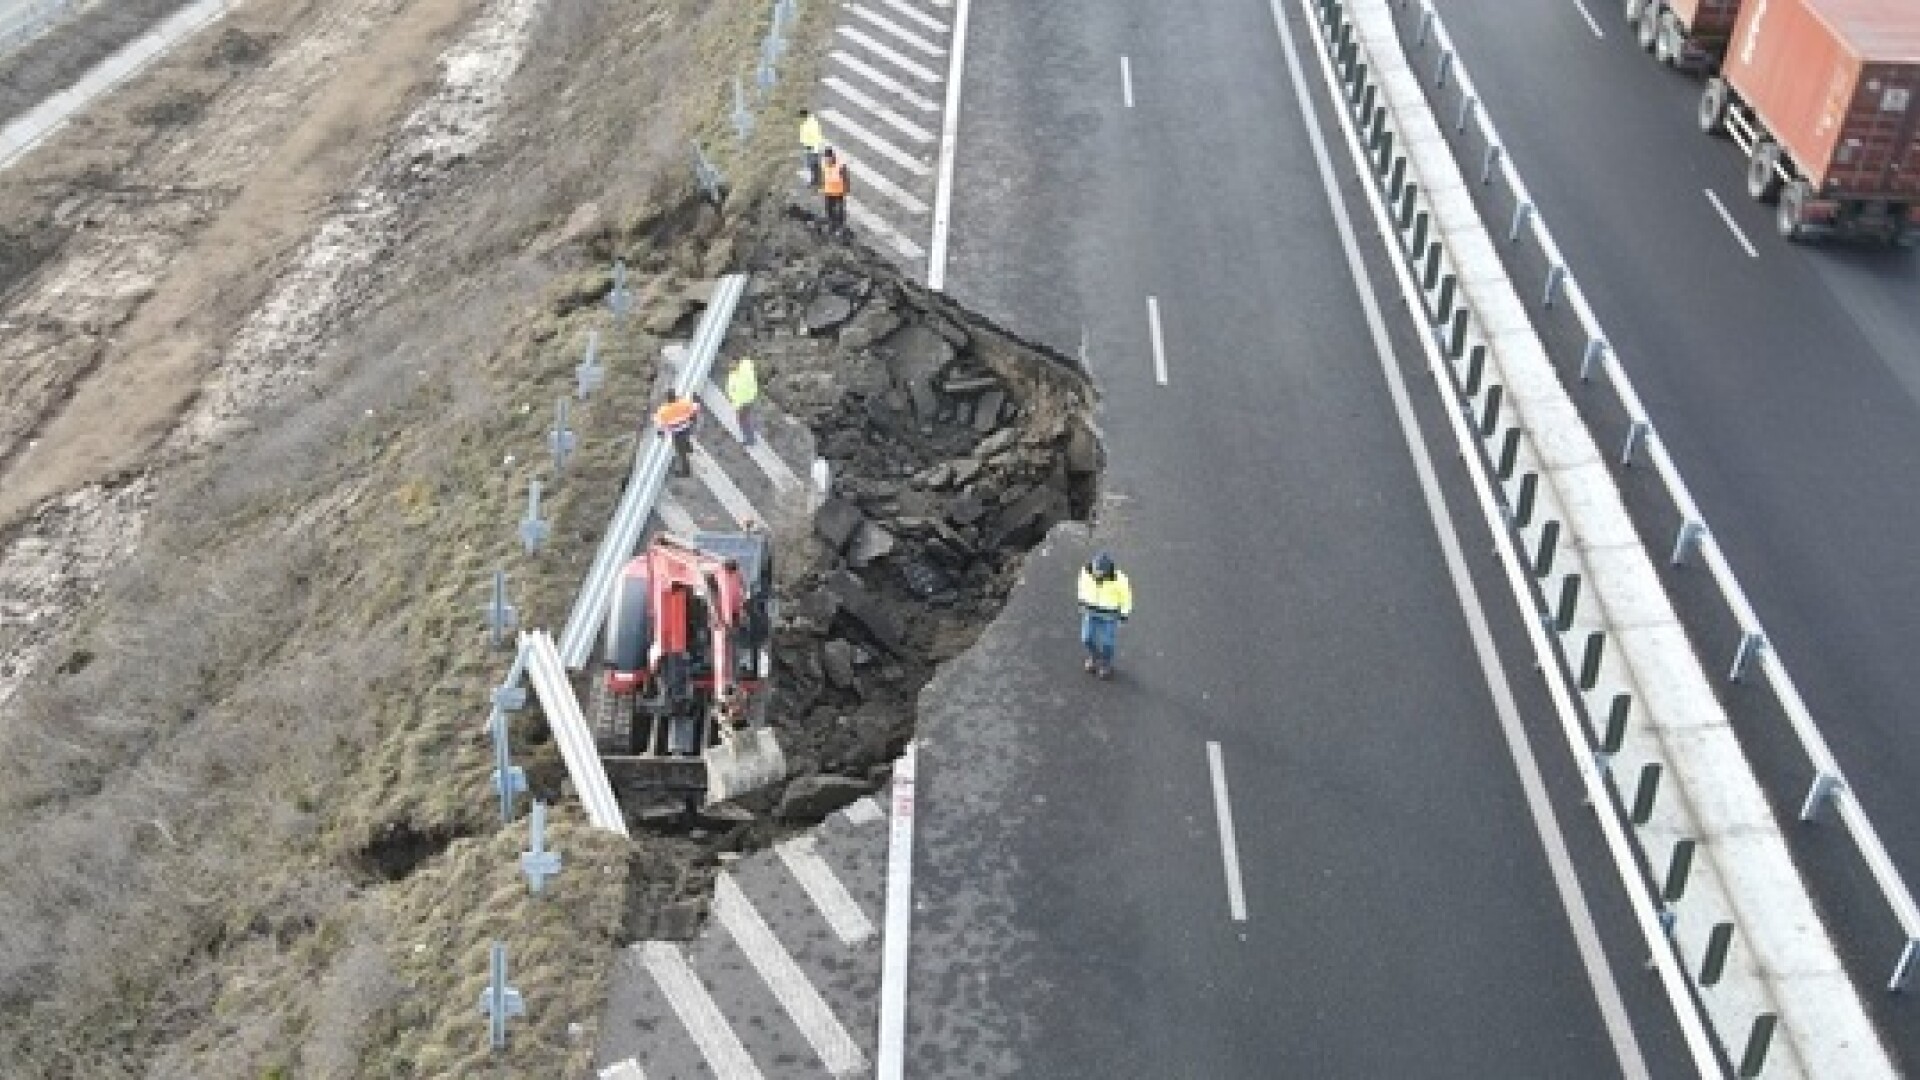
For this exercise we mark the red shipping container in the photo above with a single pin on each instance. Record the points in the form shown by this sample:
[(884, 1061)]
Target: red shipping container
[(1837, 83)]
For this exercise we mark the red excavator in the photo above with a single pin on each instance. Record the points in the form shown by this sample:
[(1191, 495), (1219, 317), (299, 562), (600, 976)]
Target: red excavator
[(689, 652)]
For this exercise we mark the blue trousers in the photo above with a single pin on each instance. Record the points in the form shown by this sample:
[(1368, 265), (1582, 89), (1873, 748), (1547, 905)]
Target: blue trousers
[(1098, 634)]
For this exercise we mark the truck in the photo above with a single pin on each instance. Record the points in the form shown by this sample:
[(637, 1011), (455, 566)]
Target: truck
[(1819, 95)]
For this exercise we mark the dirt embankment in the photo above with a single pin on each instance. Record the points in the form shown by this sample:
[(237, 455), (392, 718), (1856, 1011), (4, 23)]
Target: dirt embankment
[(247, 813)]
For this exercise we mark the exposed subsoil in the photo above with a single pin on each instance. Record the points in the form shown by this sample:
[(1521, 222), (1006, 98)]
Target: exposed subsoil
[(280, 324)]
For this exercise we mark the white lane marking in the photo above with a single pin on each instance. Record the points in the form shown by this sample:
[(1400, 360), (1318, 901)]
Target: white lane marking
[(949, 137), (1126, 81), (872, 179), (842, 912), (899, 919), (852, 93), (1591, 21), (838, 122), (722, 1049), (863, 811), (1732, 226), (905, 35), (1229, 848), (789, 984), (1159, 343), (866, 41), (708, 472), (917, 15), (1546, 823), (674, 517), (880, 227), (625, 1070), (883, 80)]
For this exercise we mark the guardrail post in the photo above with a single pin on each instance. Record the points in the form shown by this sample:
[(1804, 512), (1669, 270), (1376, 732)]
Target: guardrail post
[(619, 298), (1521, 214), (1487, 165), (1523, 507), (1903, 967), (538, 862), (498, 1001), (591, 374), (509, 780), (742, 117), (1444, 305), (1383, 153), (1758, 1043), (560, 438), (1408, 196), (1718, 943), (1616, 733), (1818, 793), (1549, 542), (533, 529), (1751, 643), (1636, 434), (1509, 451), (1419, 248), (1366, 91), (1426, 23), (1446, 66), (1688, 539), (1396, 177), (1432, 276), (1457, 344), (1569, 600), (1644, 792), (1490, 418), (1476, 367), (1677, 870), (1590, 659), (1596, 353), (1467, 105), (1555, 275), (500, 615)]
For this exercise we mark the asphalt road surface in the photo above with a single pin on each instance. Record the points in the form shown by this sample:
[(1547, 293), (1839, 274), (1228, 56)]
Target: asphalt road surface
[(1075, 911), (1786, 382)]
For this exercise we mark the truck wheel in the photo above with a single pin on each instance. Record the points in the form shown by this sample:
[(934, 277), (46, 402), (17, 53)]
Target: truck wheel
[(1666, 43), (1763, 171), (1713, 107), (1649, 25), (1792, 215)]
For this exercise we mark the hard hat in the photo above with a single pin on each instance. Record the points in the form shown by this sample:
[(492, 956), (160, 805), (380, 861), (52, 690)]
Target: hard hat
[(1102, 564)]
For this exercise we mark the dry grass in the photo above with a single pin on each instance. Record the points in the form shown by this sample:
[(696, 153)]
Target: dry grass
[(249, 822)]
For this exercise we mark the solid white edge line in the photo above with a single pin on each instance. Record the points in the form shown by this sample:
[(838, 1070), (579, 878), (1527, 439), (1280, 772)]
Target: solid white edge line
[(1593, 23), (1732, 226), (790, 985), (719, 1045), (1229, 848), (949, 135), (890, 1058), (1126, 82), (836, 905), (1546, 822), (1159, 343)]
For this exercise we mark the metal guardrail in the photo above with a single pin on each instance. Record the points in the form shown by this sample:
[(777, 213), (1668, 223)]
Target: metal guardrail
[(1829, 782), (570, 731), (651, 462)]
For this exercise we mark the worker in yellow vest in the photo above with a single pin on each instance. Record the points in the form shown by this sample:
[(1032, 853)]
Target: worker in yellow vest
[(812, 141), (675, 419), (834, 186), (1106, 601), (743, 390)]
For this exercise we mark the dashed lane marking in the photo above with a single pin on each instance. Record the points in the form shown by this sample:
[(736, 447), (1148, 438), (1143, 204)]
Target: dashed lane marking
[(1229, 847), (708, 472), (917, 15), (842, 912), (1126, 81), (1732, 226), (900, 123), (1159, 342), (724, 1053), (905, 36), (874, 180), (838, 121), (883, 80), (789, 984), (883, 229), (1592, 22), (866, 41)]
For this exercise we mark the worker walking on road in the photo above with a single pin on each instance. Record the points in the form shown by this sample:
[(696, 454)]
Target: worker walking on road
[(834, 186), (743, 390), (675, 419), (812, 141), (1106, 600)]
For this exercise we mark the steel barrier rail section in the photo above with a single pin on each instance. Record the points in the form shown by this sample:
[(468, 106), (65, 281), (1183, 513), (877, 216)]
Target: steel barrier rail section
[(1786, 964), (651, 462), (562, 710), (1829, 781)]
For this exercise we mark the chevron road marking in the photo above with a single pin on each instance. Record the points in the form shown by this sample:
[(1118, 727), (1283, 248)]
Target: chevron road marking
[(789, 984), (868, 177), (724, 1053), (898, 31), (708, 472), (910, 67), (883, 80), (625, 1070), (863, 810), (917, 15), (878, 226), (899, 123), (836, 904), (838, 121), (674, 516)]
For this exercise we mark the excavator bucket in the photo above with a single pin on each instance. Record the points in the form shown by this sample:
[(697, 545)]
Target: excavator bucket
[(744, 760)]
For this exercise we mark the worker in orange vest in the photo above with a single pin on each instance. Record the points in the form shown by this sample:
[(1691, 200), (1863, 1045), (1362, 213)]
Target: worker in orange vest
[(675, 419), (834, 185)]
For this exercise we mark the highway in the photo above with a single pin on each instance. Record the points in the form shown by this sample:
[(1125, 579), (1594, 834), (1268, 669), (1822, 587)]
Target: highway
[(1786, 382), (1302, 663)]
